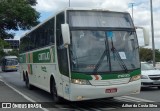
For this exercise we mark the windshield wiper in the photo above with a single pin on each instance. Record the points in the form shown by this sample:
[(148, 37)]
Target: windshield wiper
[(100, 62), (116, 54), (105, 53)]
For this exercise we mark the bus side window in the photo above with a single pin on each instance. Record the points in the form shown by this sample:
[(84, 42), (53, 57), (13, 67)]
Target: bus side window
[(49, 39)]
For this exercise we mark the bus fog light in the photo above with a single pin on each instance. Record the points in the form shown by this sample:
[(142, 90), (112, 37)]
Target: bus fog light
[(80, 81), (134, 78), (79, 97)]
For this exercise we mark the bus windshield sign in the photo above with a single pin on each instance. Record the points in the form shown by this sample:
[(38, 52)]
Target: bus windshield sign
[(109, 34)]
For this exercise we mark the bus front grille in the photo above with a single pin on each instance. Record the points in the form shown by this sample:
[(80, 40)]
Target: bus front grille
[(109, 82)]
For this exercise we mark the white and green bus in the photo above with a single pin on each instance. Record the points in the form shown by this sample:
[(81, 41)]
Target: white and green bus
[(82, 54)]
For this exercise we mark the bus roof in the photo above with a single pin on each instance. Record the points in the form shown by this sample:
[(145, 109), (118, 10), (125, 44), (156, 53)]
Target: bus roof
[(9, 57)]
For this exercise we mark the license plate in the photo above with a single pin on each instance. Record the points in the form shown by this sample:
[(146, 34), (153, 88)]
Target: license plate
[(112, 90)]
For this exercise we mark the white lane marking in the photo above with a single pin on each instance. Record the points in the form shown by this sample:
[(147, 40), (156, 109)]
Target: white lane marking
[(134, 98), (26, 97), (126, 99)]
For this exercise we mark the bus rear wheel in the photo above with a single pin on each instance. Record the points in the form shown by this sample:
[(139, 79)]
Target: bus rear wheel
[(28, 85), (55, 96)]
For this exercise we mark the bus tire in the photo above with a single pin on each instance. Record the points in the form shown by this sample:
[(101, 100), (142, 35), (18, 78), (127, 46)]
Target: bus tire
[(54, 94), (24, 77), (158, 87), (28, 85)]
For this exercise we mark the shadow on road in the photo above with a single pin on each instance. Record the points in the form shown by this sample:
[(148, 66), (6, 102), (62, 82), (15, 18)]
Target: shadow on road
[(149, 89)]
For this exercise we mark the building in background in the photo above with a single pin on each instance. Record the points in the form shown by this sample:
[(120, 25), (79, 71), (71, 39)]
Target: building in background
[(14, 44)]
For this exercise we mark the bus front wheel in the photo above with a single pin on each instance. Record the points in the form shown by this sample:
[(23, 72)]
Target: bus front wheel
[(55, 96)]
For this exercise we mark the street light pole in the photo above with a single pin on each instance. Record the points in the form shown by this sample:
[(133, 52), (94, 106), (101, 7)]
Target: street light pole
[(152, 28)]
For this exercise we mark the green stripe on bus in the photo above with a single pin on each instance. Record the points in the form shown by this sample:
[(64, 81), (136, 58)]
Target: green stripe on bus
[(80, 76), (106, 76), (42, 56)]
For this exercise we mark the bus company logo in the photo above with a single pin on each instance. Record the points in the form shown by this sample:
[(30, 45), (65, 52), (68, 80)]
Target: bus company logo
[(124, 76), (44, 56)]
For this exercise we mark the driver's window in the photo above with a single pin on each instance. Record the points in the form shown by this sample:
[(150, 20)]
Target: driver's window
[(61, 51)]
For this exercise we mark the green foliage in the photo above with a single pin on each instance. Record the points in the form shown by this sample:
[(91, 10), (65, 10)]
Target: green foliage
[(3, 44), (157, 55), (17, 15), (146, 54), (13, 52), (2, 53), (32, 2)]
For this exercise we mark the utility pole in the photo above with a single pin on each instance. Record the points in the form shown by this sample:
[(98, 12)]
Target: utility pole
[(152, 28), (132, 4), (69, 3)]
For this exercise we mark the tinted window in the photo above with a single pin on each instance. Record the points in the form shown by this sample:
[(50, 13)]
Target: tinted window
[(24, 44), (40, 37)]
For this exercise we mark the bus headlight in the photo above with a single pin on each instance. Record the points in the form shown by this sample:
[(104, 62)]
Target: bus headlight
[(80, 81), (134, 78)]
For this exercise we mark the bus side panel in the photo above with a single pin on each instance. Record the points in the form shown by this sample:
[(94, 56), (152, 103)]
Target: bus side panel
[(40, 65)]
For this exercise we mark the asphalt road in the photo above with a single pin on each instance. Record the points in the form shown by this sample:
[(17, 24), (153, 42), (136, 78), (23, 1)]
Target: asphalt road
[(151, 93), (38, 95)]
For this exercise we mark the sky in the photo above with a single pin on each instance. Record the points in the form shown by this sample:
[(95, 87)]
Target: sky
[(141, 12)]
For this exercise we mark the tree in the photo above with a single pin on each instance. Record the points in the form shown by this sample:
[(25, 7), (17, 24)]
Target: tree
[(157, 55), (3, 44), (2, 53), (14, 52), (146, 54), (17, 15)]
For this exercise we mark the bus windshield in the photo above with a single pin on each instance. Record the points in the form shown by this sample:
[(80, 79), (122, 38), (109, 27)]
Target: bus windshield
[(10, 62), (103, 51)]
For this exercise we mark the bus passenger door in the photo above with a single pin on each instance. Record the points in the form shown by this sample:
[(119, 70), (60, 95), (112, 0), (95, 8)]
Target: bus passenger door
[(64, 71), (62, 56)]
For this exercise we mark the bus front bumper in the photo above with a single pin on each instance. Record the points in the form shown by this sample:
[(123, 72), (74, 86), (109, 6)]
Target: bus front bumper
[(11, 68), (87, 92)]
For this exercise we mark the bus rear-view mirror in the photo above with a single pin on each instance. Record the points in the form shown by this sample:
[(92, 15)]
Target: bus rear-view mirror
[(145, 35), (65, 34)]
